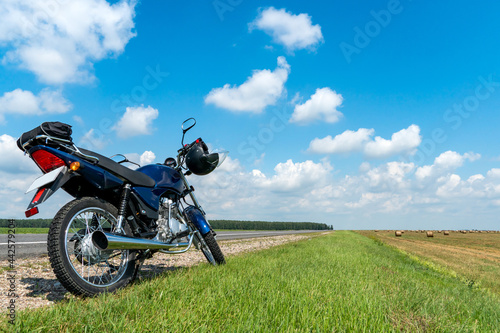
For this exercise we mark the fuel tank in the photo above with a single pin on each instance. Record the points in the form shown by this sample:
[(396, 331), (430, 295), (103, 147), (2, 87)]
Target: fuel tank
[(167, 180)]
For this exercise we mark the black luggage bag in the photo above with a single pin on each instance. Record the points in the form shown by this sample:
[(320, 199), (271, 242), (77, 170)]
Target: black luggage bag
[(53, 129)]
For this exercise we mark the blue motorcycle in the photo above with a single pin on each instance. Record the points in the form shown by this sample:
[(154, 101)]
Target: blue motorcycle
[(120, 216)]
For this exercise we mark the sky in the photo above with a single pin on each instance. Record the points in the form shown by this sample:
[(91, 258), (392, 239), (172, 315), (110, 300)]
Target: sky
[(357, 114)]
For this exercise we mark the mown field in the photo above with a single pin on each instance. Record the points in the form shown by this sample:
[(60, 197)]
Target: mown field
[(340, 282), (472, 257)]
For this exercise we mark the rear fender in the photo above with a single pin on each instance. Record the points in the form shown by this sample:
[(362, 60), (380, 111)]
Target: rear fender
[(46, 190)]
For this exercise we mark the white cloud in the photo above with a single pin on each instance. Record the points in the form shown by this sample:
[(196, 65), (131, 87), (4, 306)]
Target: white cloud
[(452, 160), (445, 163), (78, 120), (494, 173), (136, 121), (291, 176), (388, 195), (93, 141), (23, 102), (402, 142), (260, 90), (389, 176), (13, 159), (321, 106), (293, 31), (147, 157), (346, 142), (59, 42)]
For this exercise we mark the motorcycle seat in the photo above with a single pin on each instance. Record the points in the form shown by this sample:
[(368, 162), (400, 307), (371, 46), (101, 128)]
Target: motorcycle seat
[(135, 178)]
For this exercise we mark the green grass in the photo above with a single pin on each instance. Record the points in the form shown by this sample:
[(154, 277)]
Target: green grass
[(4, 231), (342, 282)]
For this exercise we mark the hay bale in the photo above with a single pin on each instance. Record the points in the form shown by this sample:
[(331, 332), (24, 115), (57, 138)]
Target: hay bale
[(430, 234), (398, 233), (463, 231), (446, 233)]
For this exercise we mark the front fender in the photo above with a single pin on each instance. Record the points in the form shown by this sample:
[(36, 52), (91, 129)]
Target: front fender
[(195, 216)]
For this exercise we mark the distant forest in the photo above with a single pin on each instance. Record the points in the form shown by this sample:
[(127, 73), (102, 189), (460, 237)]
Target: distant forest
[(216, 224), (261, 225)]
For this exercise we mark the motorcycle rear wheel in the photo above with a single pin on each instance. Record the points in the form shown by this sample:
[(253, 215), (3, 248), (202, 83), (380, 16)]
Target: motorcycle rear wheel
[(79, 266)]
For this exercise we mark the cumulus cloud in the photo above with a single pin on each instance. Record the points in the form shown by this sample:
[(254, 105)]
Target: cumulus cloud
[(59, 42), (147, 157), (23, 102), (346, 142), (403, 142), (13, 159), (260, 90), (445, 163), (292, 31), (321, 106), (290, 176), (136, 121), (378, 196)]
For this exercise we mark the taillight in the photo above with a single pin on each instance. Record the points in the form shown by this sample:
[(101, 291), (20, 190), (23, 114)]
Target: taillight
[(47, 161)]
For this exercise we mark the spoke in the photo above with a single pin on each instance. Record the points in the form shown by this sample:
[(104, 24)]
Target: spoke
[(114, 255), (99, 269)]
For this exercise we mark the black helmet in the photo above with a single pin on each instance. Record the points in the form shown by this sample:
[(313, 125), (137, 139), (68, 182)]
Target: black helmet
[(199, 161)]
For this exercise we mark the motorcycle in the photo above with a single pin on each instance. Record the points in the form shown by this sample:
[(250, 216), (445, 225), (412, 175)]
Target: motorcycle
[(120, 216)]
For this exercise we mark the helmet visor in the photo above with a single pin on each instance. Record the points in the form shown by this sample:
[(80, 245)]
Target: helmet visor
[(218, 157)]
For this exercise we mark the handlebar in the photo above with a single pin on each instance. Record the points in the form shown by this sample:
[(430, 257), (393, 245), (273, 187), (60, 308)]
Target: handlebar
[(187, 147), (184, 150)]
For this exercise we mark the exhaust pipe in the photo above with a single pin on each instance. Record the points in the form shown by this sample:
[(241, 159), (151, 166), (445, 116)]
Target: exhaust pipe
[(106, 241)]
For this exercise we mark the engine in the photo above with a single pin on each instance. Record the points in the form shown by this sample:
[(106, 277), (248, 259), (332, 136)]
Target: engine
[(171, 225)]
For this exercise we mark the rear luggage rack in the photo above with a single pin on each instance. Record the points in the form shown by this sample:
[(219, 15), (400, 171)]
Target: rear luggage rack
[(63, 142)]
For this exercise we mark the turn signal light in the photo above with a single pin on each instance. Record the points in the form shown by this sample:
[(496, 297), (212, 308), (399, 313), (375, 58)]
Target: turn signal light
[(74, 166)]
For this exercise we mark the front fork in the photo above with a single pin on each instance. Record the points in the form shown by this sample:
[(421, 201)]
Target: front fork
[(191, 194)]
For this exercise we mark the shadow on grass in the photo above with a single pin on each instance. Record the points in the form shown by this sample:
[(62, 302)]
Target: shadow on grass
[(52, 290)]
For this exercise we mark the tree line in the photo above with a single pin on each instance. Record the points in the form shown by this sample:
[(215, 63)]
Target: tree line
[(216, 224), (31, 223), (263, 225)]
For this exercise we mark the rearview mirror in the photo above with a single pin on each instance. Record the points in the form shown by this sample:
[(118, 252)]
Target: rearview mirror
[(188, 124)]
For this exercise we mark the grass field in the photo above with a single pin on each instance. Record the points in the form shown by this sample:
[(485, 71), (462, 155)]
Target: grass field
[(473, 257), (341, 282), (4, 231)]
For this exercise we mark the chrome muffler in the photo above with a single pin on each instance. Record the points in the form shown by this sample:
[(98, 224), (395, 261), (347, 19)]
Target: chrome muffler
[(107, 241)]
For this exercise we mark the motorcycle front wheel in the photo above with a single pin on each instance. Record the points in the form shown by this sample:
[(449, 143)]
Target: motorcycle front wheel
[(211, 249), (79, 266)]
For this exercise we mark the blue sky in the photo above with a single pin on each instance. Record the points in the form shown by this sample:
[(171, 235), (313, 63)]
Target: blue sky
[(361, 114)]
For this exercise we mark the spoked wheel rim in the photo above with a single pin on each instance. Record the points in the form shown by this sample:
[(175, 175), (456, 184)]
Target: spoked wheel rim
[(97, 268), (206, 250)]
